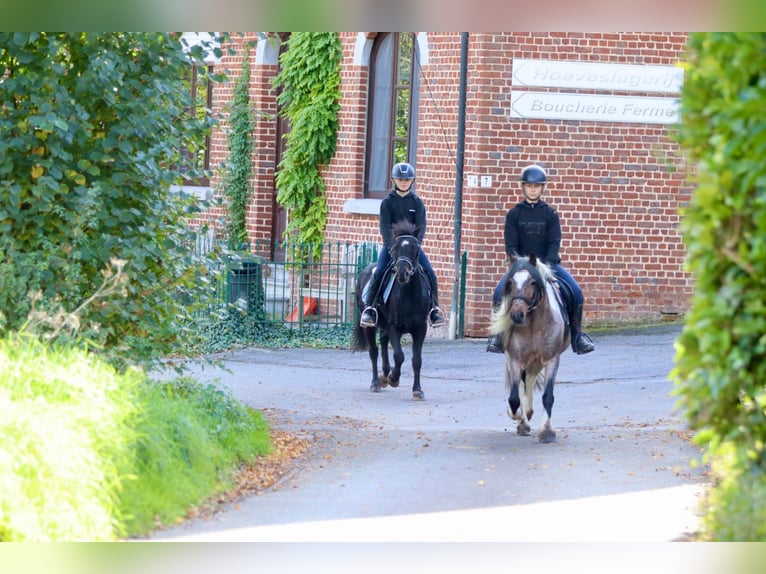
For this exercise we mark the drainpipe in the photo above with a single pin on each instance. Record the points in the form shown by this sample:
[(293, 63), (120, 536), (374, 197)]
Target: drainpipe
[(459, 180)]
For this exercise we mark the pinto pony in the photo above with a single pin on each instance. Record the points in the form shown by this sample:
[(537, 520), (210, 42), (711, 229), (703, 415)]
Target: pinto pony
[(533, 323), (405, 302)]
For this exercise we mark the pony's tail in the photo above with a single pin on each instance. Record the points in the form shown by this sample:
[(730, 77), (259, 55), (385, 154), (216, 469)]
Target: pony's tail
[(358, 342)]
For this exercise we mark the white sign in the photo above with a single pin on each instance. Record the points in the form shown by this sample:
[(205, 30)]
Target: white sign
[(587, 107), (598, 76)]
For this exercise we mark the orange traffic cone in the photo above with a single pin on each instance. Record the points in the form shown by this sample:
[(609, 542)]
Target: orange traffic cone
[(310, 307)]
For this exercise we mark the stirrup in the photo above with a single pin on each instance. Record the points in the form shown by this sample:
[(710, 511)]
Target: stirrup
[(437, 321), (365, 320)]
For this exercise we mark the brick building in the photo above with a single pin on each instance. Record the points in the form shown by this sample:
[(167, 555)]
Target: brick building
[(616, 180)]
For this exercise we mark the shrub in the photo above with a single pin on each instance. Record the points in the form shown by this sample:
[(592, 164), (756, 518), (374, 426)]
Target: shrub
[(721, 353), (94, 126)]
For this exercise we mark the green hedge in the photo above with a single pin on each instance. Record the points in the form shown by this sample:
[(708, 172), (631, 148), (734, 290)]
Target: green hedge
[(721, 354)]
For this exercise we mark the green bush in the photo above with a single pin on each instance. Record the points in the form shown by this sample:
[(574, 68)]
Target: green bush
[(90, 454), (721, 354), (94, 126)]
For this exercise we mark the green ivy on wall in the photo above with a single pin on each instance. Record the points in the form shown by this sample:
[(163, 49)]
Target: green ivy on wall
[(237, 184), (310, 100)]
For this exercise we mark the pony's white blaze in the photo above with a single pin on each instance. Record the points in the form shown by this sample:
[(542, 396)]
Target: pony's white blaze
[(405, 242), (520, 278)]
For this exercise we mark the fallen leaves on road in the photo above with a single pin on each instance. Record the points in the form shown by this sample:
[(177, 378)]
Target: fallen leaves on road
[(257, 476)]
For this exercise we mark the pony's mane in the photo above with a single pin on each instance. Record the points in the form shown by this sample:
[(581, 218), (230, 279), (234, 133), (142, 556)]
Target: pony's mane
[(403, 227), (544, 272)]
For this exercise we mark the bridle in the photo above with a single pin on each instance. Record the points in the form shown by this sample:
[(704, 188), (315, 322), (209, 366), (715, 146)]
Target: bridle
[(534, 301), (411, 266), (531, 303)]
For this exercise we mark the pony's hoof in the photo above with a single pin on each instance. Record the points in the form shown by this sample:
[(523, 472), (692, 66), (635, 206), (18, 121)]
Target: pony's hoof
[(547, 436), (393, 383), (523, 429), (375, 387), (384, 381), (418, 395)]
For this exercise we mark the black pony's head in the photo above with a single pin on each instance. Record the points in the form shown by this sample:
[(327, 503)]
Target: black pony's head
[(405, 251)]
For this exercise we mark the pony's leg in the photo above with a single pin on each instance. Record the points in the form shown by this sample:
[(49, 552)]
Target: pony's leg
[(530, 378), (372, 346), (547, 434), (385, 380), (514, 378), (417, 362), (398, 354)]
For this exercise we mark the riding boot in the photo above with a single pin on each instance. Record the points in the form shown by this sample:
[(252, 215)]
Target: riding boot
[(581, 342), (435, 316), (369, 317), (495, 342)]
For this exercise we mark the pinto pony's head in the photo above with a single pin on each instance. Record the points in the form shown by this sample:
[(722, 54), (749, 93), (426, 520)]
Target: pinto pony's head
[(523, 291)]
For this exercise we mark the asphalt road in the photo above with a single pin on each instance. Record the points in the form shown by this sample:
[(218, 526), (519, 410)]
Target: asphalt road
[(383, 467)]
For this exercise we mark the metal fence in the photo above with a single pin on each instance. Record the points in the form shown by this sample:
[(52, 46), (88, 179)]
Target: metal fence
[(300, 291)]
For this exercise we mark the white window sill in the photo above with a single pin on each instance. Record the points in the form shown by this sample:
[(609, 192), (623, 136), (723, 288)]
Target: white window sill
[(363, 206)]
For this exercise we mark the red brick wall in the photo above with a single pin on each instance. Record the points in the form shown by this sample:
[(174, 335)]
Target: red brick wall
[(263, 102), (613, 183)]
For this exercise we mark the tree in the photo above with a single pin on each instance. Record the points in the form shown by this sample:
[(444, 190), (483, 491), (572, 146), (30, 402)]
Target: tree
[(93, 128), (721, 353)]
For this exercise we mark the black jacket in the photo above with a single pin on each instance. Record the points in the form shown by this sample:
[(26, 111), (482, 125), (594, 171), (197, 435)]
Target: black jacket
[(395, 208), (533, 228)]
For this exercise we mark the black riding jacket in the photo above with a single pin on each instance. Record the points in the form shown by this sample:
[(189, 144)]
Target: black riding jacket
[(533, 228), (395, 208)]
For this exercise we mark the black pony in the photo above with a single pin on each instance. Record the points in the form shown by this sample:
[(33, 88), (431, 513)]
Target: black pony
[(404, 304)]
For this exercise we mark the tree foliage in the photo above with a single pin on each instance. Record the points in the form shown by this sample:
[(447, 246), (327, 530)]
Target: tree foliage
[(93, 127), (310, 100), (721, 353)]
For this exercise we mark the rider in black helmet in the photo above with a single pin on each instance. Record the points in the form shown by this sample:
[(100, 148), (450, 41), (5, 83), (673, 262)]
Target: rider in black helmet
[(533, 226), (400, 204)]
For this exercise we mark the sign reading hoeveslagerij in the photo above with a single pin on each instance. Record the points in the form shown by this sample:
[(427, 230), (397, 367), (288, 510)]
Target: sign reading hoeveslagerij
[(587, 107), (598, 76)]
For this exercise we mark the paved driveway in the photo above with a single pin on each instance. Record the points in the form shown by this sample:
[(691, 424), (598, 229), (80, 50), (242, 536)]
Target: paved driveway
[(383, 467)]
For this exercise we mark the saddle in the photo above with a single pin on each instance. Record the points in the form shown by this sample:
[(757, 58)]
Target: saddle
[(386, 283), (565, 298)]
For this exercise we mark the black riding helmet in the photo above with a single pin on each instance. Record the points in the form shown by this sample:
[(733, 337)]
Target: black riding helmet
[(533, 174), (403, 171)]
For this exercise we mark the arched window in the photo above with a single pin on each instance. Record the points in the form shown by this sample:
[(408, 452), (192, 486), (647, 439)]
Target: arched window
[(392, 108)]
